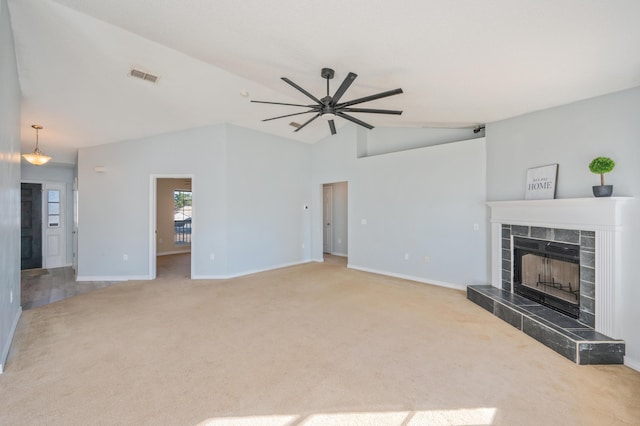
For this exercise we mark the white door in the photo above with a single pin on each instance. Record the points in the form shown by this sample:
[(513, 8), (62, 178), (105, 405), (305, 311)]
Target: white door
[(54, 225), (327, 217)]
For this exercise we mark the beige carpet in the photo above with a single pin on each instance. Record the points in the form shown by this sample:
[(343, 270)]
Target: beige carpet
[(314, 344)]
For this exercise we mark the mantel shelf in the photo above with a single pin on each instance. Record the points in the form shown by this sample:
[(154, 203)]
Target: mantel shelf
[(570, 213)]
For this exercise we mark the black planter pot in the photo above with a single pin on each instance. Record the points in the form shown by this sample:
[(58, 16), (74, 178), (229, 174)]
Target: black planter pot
[(603, 190)]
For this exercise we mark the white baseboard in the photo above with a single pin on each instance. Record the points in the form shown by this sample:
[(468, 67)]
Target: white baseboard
[(113, 277), (244, 273), (338, 254), (318, 260), (632, 363), (409, 277), (7, 344)]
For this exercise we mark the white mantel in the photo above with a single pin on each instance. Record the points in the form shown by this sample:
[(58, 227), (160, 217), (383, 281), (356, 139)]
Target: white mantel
[(602, 215), (588, 214)]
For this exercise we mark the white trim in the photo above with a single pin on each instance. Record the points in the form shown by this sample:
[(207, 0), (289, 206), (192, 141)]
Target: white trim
[(568, 213), (410, 277), (496, 255), (113, 278), (602, 215), (12, 332), (632, 363), (153, 194), (338, 254), (242, 274), (317, 260)]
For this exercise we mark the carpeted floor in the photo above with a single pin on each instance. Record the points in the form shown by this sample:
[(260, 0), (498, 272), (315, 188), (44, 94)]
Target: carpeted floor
[(314, 344)]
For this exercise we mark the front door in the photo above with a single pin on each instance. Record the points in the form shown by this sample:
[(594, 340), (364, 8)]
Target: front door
[(31, 226), (54, 231)]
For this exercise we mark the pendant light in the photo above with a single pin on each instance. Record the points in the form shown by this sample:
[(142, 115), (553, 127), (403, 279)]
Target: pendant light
[(36, 157)]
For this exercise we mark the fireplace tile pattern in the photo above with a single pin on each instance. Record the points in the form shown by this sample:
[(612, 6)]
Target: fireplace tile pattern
[(570, 338), (587, 242)]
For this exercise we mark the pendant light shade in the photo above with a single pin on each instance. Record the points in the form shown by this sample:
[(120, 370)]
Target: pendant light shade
[(36, 157)]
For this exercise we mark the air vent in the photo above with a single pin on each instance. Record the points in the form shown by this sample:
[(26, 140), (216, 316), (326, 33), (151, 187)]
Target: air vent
[(143, 75), (294, 124)]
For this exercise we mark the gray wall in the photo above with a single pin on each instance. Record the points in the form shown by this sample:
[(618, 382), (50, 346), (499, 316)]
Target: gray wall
[(420, 207), (9, 186), (249, 190), (268, 185), (572, 135), (113, 206), (384, 140)]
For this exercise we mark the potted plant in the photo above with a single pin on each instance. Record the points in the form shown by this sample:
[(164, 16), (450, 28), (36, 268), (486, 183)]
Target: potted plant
[(602, 165)]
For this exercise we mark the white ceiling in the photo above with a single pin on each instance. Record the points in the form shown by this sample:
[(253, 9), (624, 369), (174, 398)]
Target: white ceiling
[(458, 62)]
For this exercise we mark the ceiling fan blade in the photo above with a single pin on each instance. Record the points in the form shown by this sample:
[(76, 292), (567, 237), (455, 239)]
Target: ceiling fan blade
[(343, 87), (354, 120), (370, 98), (289, 115), (308, 121), (282, 103), (372, 111), (332, 127), (286, 80)]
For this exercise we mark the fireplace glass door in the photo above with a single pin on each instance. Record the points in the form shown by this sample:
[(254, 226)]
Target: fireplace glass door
[(548, 273)]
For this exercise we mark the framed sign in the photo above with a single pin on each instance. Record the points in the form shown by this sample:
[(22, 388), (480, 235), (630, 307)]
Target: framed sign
[(541, 183)]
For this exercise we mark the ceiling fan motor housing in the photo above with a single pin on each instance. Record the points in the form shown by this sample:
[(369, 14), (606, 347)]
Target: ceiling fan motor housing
[(327, 73)]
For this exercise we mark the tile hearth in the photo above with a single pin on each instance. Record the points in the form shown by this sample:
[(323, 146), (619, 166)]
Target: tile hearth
[(569, 337)]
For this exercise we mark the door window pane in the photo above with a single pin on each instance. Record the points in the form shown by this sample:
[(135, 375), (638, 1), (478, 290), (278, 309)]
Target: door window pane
[(53, 208)]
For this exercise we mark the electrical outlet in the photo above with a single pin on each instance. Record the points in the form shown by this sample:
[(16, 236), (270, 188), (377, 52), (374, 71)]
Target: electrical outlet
[(427, 259), (125, 257), (212, 256), (476, 227), (339, 241), (363, 221), (302, 245), (406, 256)]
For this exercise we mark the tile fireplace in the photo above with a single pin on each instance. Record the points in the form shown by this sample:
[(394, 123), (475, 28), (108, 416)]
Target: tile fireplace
[(555, 270)]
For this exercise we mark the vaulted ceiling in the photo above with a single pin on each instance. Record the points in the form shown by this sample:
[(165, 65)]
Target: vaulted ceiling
[(459, 62)]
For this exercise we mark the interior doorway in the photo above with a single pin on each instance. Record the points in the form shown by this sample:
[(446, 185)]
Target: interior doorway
[(172, 228), (335, 222)]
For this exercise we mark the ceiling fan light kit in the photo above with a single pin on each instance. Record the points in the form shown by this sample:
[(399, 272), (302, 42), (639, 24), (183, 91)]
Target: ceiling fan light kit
[(329, 107)]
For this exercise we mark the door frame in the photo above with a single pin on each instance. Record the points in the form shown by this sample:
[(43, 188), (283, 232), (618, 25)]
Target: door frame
[(327, 241), (153, 219), (49, 184)]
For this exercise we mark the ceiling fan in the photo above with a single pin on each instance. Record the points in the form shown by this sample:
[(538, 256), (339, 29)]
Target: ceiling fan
[(329, 107)]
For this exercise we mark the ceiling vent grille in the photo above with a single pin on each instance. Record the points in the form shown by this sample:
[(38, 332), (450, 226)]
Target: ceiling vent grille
[(143, 75), (294, 124)]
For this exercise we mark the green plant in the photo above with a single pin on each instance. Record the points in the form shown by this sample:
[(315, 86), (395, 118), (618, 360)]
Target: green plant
[(601, 165)]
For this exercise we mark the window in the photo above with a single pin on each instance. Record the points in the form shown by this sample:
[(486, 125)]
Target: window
[(53, 208), (182, 217)]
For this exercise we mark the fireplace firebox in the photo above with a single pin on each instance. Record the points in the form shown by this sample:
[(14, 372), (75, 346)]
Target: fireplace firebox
[(548, 272)]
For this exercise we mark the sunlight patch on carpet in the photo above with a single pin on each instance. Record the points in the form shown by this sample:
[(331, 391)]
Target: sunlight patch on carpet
[(462, 416)]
